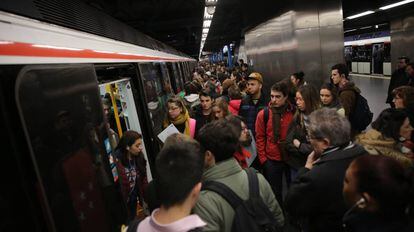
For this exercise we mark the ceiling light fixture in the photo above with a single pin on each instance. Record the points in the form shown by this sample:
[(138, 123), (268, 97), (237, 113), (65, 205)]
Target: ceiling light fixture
[(207, 23), (361, 14), (396, 4), (351, 30), (209, 10)]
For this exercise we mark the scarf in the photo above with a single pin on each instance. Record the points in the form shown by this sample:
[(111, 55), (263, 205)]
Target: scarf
[(276, 116), (184, 117)]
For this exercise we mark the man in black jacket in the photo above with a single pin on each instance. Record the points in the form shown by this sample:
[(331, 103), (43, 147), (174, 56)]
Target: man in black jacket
[(398, 78), (314, 199)]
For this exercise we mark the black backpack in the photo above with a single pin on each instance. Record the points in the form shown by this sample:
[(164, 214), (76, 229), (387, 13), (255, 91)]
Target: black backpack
[(362, 115), (251, 215)]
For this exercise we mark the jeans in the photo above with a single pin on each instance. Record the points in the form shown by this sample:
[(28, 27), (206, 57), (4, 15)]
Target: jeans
[(273, 171)]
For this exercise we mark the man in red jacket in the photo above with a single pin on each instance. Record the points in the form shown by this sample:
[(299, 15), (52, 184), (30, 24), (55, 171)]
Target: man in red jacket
[(271, 129)]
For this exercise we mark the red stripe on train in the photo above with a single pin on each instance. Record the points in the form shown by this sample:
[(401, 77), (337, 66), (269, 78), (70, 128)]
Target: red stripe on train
[(26, 49)]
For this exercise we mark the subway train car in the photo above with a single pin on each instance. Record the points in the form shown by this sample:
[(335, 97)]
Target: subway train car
[(58, 174)]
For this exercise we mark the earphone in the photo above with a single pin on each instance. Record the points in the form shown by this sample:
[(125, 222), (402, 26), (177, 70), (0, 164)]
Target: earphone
[(360, 203)]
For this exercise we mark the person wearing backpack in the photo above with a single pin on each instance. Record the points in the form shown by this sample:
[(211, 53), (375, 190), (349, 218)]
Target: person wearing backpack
[(223, 205), (272, 125), (180, 159), (355, 105)]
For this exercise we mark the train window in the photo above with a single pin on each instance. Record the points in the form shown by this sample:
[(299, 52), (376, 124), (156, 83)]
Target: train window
[(155, 93), (177, 76), (61, 111), (166, 79)]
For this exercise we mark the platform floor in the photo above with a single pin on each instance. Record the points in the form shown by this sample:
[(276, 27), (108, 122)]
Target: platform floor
[(374, 89)]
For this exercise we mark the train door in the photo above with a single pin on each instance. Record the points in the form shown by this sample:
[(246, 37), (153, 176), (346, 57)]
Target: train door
[(61, 114), (377, 58), (121, 113)]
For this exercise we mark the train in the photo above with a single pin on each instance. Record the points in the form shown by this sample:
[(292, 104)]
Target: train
[(57, 172), (369, 53)]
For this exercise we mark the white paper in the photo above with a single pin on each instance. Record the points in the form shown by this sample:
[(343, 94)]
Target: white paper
[(170, 130)]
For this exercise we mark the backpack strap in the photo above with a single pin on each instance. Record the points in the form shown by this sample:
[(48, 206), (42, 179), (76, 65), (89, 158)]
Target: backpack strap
[(254, 192), (224, 191), (133, 225)]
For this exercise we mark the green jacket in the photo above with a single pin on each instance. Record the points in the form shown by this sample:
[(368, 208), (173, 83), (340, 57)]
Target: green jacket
[(215, 211)]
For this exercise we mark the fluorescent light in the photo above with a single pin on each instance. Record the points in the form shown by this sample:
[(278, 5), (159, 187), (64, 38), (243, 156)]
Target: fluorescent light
[(361, 14), (367, 27), (350, 30), (205, 30), (395, 4), (206, 23)]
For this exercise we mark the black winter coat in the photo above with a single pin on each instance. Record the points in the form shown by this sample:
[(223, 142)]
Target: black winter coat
[(315, 196), (297, 156)]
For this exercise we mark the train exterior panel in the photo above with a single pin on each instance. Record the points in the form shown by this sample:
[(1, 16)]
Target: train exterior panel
[(52, 83)]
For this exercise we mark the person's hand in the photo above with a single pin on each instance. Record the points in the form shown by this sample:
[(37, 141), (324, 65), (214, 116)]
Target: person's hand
[(296, 143), (312, 158)]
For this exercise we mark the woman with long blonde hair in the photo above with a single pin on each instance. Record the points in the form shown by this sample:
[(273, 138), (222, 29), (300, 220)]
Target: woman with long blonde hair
[(179, 116)]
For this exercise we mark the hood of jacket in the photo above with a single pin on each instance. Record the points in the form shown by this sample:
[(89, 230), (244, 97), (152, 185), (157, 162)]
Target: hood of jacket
[(235, 104), (350, 86), (375, 138)]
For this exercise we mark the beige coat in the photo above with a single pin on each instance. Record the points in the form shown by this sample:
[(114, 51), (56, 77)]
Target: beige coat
[(376, 144)]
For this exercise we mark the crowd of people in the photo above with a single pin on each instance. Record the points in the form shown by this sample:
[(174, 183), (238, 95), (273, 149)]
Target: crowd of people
[(300, 160)]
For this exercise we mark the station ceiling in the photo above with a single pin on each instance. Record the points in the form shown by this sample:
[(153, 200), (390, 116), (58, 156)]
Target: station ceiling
[(178, 23)]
